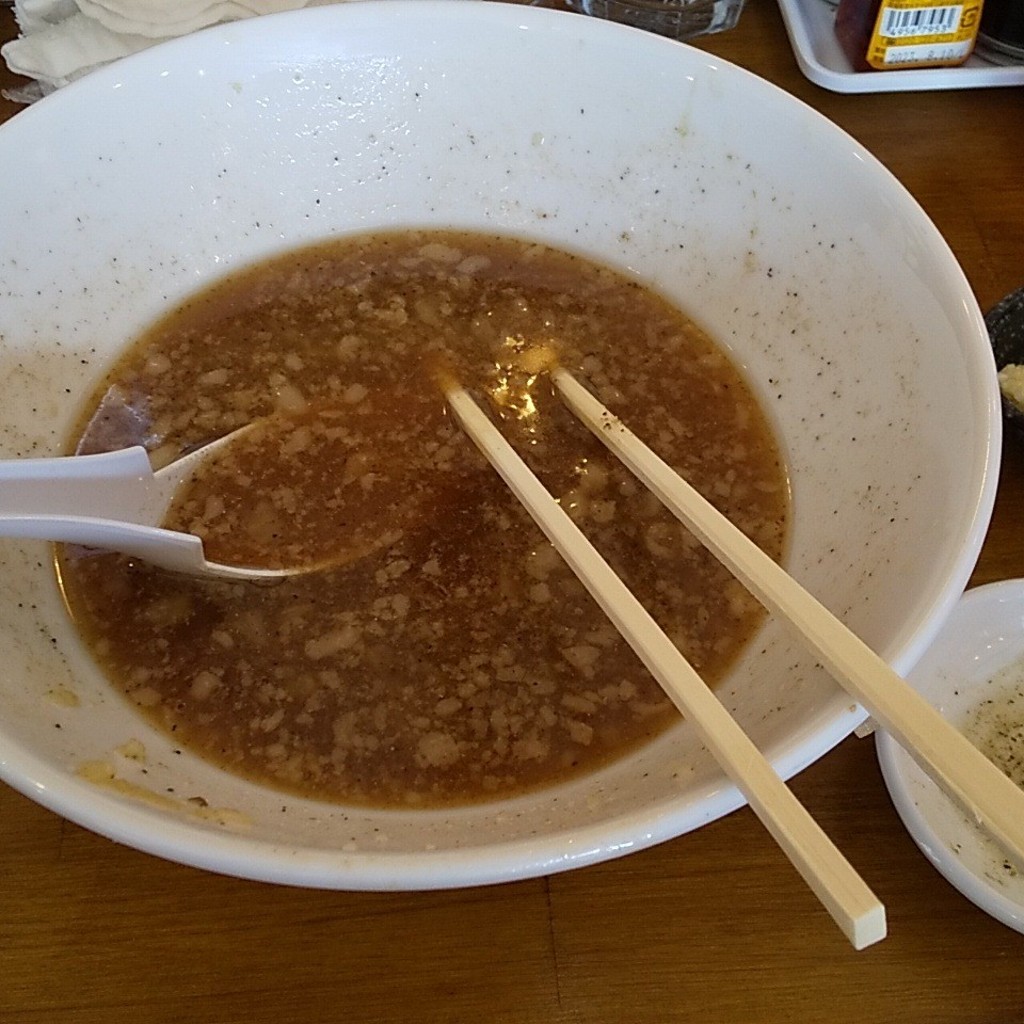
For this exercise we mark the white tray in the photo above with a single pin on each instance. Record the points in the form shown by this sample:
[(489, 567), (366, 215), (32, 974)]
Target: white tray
[(809, 25)]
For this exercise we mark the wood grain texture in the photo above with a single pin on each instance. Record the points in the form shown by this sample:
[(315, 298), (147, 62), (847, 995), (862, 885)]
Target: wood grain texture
[(714, 927)]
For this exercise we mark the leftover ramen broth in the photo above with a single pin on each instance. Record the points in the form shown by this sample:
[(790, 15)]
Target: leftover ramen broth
[(450, 655)]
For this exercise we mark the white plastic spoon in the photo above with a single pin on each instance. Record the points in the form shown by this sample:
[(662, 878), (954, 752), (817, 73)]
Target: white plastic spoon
[(112, 501)]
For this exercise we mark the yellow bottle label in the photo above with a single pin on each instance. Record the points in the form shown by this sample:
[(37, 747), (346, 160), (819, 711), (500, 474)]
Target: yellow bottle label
[(922, 33)]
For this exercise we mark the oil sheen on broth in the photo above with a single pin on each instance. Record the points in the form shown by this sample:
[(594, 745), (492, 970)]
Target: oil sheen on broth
[(450, 655)]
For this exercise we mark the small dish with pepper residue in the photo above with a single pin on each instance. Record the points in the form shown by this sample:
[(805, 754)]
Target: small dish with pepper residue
[(974, 674)]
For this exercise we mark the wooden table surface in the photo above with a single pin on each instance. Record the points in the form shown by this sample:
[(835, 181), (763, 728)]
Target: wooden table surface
[(714, 927)]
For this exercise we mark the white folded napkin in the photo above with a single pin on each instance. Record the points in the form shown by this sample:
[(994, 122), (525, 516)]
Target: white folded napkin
[(61, 40), (161, 19)]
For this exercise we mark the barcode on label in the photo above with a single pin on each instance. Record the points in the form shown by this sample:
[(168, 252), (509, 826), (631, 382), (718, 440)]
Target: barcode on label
[(920, 21)]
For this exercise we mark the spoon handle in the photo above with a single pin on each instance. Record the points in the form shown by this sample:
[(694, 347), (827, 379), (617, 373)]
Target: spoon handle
[(111, 500), (107, 486)]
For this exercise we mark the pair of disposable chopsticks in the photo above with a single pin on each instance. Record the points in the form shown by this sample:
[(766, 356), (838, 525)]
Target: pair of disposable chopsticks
[(844, 894), (989, 796)]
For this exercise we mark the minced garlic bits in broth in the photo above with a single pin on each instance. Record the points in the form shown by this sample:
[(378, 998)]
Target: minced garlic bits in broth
[(446, 653)]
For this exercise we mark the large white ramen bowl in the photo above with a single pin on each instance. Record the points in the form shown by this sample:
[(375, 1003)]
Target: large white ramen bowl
[(134, 187)]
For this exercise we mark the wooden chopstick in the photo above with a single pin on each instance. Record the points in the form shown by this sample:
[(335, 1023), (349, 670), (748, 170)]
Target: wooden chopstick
[(989, 797), (844, 894)]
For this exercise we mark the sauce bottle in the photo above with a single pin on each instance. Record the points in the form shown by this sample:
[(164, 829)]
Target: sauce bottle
[(885, 35)]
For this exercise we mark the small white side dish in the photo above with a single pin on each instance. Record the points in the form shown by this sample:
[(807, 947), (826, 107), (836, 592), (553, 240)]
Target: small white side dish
[(133, 188), (978, 657)]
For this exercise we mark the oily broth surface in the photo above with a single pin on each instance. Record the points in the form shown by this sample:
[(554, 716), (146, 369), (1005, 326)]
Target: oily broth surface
[(452, 656)]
